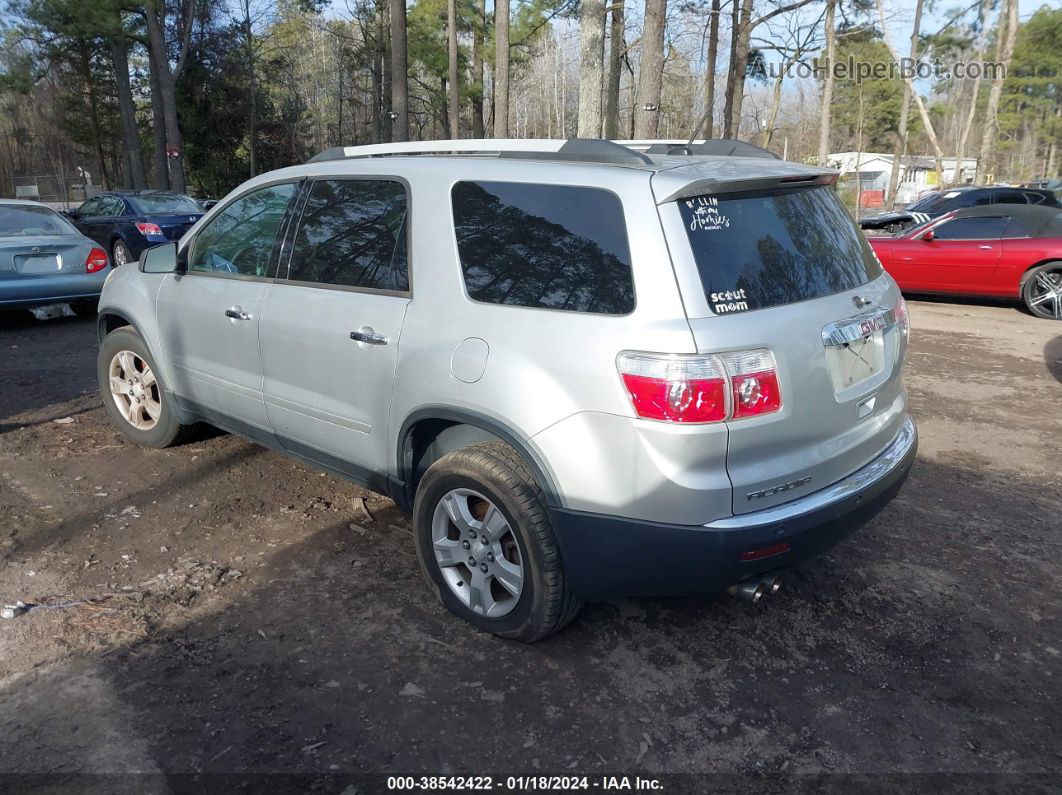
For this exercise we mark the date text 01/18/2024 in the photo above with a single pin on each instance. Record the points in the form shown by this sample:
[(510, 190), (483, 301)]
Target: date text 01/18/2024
[(542, 783)]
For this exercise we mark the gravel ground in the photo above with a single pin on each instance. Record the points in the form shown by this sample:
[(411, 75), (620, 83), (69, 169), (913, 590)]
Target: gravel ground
[(259, 619)]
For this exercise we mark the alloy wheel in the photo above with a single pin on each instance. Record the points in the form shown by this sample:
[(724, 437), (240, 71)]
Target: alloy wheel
[(134, 390), (1045, 294), (477, 553), (121, 255)]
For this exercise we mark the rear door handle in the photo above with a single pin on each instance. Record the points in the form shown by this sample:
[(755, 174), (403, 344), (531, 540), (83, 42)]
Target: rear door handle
[(368, 336), (237, 314)]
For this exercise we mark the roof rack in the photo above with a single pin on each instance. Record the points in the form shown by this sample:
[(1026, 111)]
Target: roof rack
[(585, 150), (718, 147)]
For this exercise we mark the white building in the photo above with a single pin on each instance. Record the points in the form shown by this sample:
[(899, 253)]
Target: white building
[(919, 173)]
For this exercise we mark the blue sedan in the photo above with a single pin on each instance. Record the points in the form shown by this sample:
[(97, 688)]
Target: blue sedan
[(45, 260), (125, 223)]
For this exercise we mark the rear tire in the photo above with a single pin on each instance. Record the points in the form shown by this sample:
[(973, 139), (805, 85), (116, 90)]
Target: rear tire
[(1041, 290), (134, 394), (503, 528), (120, 254)]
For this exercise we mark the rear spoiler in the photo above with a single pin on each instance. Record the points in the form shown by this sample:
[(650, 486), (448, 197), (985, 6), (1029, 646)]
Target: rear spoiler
[(735, 175)]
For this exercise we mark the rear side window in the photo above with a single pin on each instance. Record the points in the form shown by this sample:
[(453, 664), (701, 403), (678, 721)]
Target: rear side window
[(1011, 197), (761, 249), (971, 229), (547, 246), (353, 234)]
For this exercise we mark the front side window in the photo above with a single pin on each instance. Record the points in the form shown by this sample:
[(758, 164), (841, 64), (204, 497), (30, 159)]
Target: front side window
[(353, 234), (971, 229), (546, 246), (239, 240), (767, 248)]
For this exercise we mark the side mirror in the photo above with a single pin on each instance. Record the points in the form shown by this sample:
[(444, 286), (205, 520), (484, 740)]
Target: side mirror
[(159, 259), (73, 215), (928, 236)]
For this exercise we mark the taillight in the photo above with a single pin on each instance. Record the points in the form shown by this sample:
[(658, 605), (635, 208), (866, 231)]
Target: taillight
[(149, 229), (904, 318), (700, 388), (97, 260)]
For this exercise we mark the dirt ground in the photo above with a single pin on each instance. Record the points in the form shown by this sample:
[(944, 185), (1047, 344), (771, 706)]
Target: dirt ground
[(260, 621)]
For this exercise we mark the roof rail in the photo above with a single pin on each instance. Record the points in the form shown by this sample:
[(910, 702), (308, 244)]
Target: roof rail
[(719, 147), (586, 150)]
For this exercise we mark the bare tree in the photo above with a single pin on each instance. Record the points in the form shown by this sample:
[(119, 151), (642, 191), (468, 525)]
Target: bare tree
[(709, 69), (651, 73), (477, 68), (155, 15), (131, 150), (827, 85), (592, 53), (616, 53), (905, 110), (399, 72), (926, 121), (452, 87), (501, 69), (982, 44), (1008, 34)]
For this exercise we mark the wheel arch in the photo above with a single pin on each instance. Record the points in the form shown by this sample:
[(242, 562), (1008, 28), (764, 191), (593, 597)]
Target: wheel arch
[(1025, 273), (431, 432), (111, 320)]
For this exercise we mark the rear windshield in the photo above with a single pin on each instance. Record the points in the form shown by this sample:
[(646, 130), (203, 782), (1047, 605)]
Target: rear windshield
[(161, 203), (26, 221), (763, 249)]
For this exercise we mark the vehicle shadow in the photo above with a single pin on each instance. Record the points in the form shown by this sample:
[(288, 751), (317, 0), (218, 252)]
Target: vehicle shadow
[(970, 300), (1053, 358), (908, 647)]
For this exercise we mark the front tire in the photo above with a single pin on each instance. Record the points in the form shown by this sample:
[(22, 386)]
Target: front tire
[(133, 393), (486, 546), (120, 254), (1042, 290)]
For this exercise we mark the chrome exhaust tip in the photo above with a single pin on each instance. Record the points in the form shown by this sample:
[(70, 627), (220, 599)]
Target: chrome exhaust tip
[(748, 591), (772, 583)]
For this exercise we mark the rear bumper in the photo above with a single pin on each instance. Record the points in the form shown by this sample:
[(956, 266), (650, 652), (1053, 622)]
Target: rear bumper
[(608, 555), (29, 292)]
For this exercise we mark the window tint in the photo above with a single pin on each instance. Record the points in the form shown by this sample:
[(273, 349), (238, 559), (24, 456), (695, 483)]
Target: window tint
[(112, 205), (1010, 197), (353, 234), (28, 220), (767, 248), (971, 229), (973, 198), (90, 208), (546, 246), (1016, 228), (166, 203), (240, 239)]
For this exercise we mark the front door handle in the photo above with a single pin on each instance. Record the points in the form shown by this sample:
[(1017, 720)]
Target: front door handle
[(985, 248), (368, 336), (237, 314)]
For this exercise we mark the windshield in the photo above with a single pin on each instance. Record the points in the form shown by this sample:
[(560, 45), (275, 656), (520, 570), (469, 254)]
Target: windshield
[(166, 203), (927, 204), (767, 248), (18, 220)]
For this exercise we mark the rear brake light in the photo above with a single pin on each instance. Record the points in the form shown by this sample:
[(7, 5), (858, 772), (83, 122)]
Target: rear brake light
[(700, 388), (97, 260), (149, 229)]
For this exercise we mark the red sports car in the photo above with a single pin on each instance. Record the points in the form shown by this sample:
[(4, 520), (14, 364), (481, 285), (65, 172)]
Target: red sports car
[(1004, 250)]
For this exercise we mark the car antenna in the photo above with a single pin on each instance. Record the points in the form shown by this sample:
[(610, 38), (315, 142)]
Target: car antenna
[(693, 132)]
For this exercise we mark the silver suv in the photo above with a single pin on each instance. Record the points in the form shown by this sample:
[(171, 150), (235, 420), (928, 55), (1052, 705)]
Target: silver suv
[(586, 368)]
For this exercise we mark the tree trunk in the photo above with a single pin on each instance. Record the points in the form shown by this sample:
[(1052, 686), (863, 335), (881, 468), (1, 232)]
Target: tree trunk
[(615, 70), (709, 71), (905, 110), (960, 154), (399, 73), (651, 77), (477, 68), (736, 95), (376, 75), (827, 86), (731, 71), (384, 27), (252, 93), (591, 60), (94, 115), (132, 153), (1008, 33), (156, 26), (501, 69), (926, 121), (158, 128), (452, 87)]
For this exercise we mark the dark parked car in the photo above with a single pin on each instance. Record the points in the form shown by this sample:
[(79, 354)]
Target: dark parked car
[(934, 205), (127, 222)]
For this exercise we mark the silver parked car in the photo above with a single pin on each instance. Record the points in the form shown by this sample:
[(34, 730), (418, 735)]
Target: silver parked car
[(45, 260), (586, 368)]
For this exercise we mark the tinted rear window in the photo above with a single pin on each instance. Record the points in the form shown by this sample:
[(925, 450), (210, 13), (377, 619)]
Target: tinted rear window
[(763, 249), (163, 203), (548, 246), (25, 220)]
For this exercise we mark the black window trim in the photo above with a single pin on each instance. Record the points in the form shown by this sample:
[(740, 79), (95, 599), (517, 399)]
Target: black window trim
[(295, 226), (182, 252), (553, 184)]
